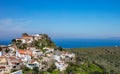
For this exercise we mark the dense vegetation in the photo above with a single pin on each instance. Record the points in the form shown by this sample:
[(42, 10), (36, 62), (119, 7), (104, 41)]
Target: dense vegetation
[(45, 41), (106, 59)]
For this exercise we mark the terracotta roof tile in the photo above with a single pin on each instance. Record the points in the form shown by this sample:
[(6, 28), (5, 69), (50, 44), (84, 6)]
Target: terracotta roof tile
[(2, 67)]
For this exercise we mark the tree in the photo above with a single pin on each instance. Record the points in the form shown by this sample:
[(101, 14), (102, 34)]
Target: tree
[(7, 50), (0, 49), (60, 48), (24, 34), (112, 72), (23, 46), (70, 70), (18, 43), (96, 72), (35, 70), (53, 67), (26, 69), (13, 41), (45, 35)]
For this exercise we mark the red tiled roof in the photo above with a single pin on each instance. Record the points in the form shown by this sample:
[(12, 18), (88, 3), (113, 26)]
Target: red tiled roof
[(20, 61), (2, 67), (32, 61), (12, 58), (21, 51), (14, 62), (2, 57)]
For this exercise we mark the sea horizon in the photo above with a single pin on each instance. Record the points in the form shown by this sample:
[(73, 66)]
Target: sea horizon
[(79, 43)]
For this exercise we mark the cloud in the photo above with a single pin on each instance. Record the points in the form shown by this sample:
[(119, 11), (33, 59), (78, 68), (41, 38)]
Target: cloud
[(6, 22), (14, 24), (13, 27)]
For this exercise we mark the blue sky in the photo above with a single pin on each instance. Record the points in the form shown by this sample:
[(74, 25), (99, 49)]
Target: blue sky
[(60, 18)]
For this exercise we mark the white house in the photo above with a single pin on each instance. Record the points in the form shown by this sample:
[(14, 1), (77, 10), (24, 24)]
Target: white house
[(37, 36), (4, 65), (61, 65), (37, 53), (71, 55), (48, 49), (0, 53), (21, 39), (31, 48), (25, 55), (32, 64), (12, 48), (57, 58), (26, 39)]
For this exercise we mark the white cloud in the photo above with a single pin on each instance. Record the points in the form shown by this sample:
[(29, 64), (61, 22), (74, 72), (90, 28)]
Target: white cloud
[(14, 24), (6, 22), (13, 27)]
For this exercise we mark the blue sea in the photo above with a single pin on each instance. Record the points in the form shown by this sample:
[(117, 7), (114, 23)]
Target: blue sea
[(81, 43), (86, 43), (4, 42)]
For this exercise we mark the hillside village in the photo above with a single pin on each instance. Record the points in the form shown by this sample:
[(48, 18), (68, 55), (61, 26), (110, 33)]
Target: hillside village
[(33, 52)]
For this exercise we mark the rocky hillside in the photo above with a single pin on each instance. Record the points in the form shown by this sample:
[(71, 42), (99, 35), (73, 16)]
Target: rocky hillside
[(43, 41)]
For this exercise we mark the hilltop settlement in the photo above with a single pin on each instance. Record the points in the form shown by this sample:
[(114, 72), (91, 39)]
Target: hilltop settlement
[(31, 54)]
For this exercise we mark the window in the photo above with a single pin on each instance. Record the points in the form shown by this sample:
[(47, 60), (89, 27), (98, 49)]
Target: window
[(14, 66), (17, 63), (0, 70)]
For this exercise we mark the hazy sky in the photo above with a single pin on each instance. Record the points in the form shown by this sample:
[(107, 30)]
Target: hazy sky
[(60, 18)]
